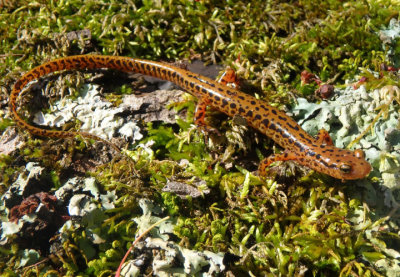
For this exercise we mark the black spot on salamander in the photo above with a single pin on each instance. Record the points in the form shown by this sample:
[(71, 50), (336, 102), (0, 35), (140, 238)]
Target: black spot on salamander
[(191, 84), (252, 102), (203, 90), (111, 62), (118, 62), (311, 153), (241, 110), (285, 135), (148, 67), (272, 126), (189, 75), (295, 127), (233, 106), (282, 118), (164, 71), (212, 85), (257, 108), (224, 102), (318, 156), (17, 85), (217, 98), (249, 113), (186, 83), (290, 140), (241, 97), (230, 92), (327, 165), (173, 74), (257, 117), (298, 145), (221, 89), (274, 112)]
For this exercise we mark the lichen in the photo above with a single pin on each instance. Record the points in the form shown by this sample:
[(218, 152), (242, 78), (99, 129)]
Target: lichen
[(96, 116), (292, 223)]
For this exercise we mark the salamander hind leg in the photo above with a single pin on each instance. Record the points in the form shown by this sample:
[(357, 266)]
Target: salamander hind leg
[(285, 156), (323, 137)]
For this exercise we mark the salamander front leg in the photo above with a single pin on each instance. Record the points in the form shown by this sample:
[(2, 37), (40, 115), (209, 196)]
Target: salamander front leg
[(323, 137), (229, 78), (199, 117), (285, 156)]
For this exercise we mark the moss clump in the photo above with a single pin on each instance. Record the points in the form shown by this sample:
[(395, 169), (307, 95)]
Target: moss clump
[(284, 226)]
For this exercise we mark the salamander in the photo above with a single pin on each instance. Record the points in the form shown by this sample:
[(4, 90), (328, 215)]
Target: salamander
[(317, 153)]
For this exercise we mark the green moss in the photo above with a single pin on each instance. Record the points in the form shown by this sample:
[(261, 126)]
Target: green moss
[(6, 171), (275, 227), (4, 123)]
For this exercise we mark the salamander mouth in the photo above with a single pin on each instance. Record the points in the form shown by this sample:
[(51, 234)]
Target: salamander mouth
[(367, 169), (359, 171)]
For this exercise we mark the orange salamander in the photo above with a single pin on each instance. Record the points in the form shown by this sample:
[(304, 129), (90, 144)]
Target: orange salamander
[(317, 153)]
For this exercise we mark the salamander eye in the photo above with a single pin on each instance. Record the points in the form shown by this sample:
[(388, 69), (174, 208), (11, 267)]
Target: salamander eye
[(359, 153), (345, 168)]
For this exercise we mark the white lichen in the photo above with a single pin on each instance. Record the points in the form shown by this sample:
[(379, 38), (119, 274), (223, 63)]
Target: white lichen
[(173, 260), (98, 117)]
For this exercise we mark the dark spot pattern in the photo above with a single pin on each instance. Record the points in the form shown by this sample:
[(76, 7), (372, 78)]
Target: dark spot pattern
[(319, 153)]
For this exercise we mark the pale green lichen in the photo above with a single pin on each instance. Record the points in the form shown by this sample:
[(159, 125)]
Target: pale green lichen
[(96, 116), (288, 226)]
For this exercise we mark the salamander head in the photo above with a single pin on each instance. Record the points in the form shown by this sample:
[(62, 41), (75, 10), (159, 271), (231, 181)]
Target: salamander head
[(343, 164), (354, 166)]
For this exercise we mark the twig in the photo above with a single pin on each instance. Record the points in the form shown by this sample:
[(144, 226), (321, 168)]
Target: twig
[(117, 274)]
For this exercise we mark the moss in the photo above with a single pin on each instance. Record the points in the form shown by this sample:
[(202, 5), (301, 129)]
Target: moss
[(278, 226), (4, 123)]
